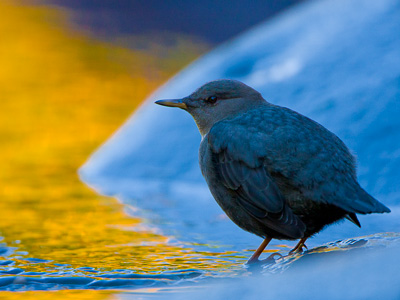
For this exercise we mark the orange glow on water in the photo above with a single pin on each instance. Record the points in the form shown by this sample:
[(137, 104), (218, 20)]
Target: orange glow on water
[(61, 96)]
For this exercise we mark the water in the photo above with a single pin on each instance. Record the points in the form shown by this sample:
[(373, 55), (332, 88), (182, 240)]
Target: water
[(349, 271), (17, 273), (308, 59), (334, 61), (167, 237)]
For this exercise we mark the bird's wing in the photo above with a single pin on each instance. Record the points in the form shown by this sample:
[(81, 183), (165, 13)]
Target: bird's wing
[(256, 193), (299, 151)]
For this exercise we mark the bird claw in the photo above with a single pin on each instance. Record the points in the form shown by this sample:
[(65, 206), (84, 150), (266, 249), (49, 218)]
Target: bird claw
[(298, 249)]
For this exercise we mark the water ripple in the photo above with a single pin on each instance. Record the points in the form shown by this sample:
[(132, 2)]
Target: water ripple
[(62, 276)]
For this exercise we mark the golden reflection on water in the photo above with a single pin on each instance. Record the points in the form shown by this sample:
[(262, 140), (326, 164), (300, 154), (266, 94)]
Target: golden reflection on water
[(61, 95), (59, 295)]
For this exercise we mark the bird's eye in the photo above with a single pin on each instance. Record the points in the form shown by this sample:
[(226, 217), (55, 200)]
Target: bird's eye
[(211, 99)]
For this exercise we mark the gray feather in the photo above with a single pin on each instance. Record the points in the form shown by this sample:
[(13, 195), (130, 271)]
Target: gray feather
[(257, 194), (311, 159)]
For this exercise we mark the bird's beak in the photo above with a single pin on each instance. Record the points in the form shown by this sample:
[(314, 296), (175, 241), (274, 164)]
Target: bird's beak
[(172, 103)]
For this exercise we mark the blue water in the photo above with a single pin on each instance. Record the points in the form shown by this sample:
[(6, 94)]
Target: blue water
[(336, 61), (16, 279), (348, 258)]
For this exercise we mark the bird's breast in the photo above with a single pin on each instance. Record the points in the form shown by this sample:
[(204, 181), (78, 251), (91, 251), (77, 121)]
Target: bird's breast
[(224, 196)]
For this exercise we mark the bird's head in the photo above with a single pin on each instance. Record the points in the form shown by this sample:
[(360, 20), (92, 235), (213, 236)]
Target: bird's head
[(217, 100)]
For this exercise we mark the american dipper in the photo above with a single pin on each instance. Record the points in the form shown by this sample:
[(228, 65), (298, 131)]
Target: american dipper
[(275, 172)]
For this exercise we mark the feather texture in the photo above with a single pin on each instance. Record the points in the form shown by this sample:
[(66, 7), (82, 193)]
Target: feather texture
[(257, 194), (311, 159)]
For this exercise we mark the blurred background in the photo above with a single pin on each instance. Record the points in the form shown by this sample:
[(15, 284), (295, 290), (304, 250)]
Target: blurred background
[(74, 77), (71, 73)]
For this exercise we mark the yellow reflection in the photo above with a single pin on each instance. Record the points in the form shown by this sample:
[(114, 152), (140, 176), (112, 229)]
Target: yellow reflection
[(61, 95), (59, 295)]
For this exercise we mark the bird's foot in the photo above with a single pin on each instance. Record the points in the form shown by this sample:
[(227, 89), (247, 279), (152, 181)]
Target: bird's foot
[(298, 249), (269, 260)]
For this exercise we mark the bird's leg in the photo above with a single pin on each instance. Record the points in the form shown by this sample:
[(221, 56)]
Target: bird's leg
[(299, 246), (257, 253)]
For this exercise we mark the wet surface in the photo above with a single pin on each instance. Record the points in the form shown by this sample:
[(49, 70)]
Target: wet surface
[(58, 237), (55, 232), (24, 274)]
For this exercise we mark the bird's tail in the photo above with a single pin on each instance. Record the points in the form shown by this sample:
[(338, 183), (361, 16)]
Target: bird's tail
[(370, 204)]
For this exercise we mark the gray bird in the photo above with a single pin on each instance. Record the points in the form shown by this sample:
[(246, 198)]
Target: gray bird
[(275, 172)]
